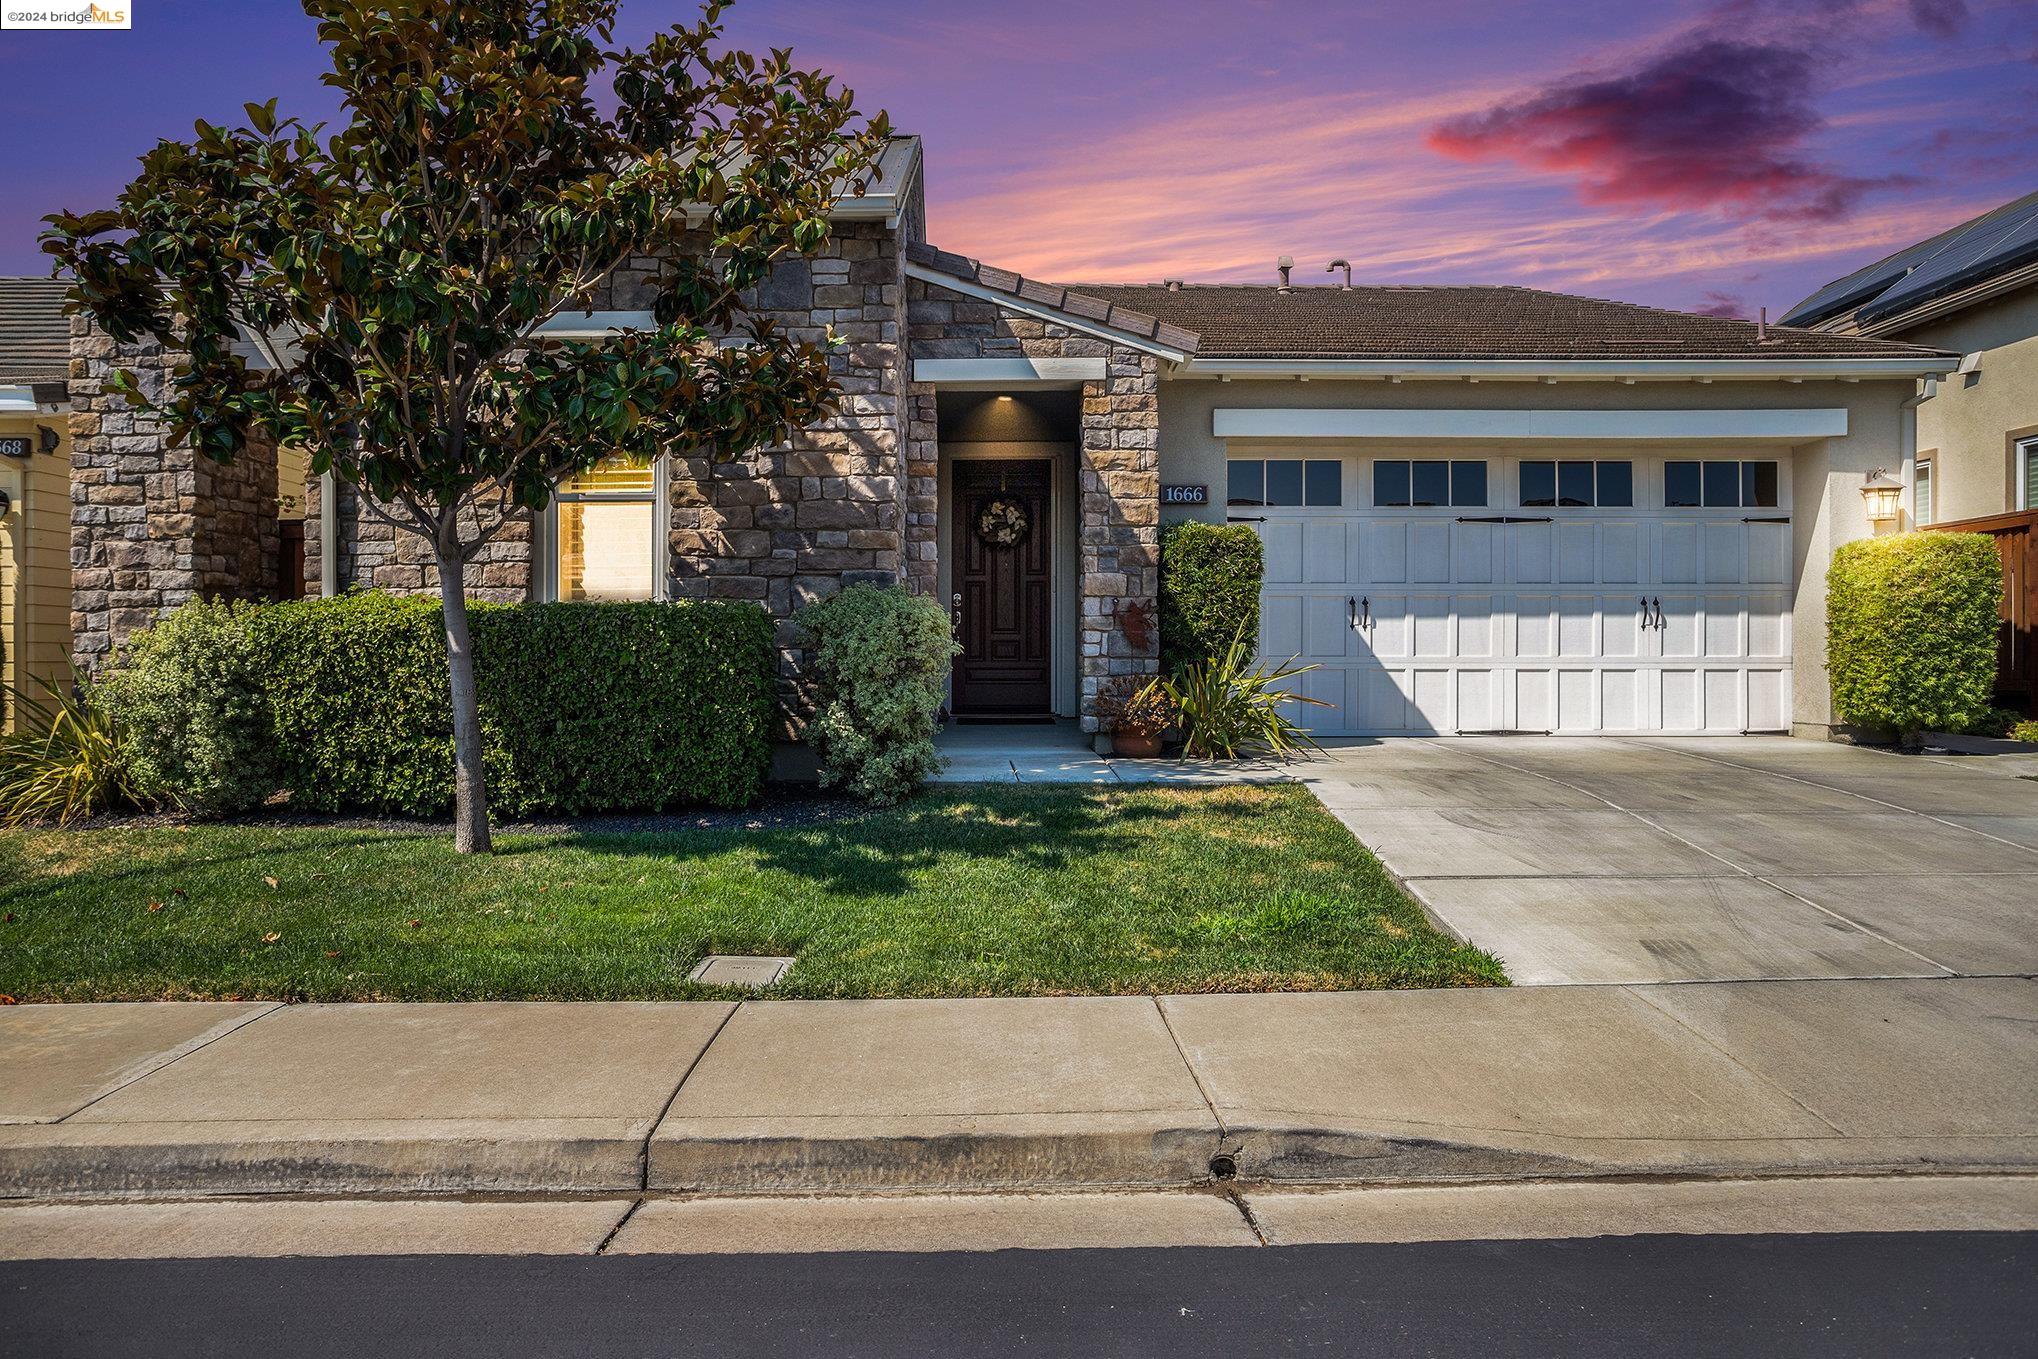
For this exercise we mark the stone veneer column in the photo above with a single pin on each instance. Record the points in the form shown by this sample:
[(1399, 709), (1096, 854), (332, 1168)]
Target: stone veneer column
[(789, 525), (923, 491), (153, 526), (1119, 529)]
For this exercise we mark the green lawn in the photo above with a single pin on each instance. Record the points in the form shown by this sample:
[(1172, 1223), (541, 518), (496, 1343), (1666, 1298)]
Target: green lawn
[(967, 891)]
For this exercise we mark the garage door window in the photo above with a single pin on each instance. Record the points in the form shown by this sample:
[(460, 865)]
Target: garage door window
[(1285, 481), (1577, 485), (1720, 484), (1424, 483)]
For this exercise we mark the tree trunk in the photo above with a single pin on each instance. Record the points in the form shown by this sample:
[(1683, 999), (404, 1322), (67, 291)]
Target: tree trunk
[(470, 792)]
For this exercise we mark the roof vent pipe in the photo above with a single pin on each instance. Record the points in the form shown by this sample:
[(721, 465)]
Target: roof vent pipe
[(1762, 325), (1345, 265), (1284, 264)]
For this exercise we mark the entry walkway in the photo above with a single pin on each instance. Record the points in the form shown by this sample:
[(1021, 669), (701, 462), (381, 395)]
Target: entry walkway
[(1061, 752)]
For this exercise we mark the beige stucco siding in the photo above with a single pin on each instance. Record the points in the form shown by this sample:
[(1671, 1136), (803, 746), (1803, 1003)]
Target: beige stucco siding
[(1970, 426), (1826, 475), (35, 560)]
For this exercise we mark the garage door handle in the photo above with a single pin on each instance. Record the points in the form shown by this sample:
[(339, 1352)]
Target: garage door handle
[(1366, 613), (1660, 624)]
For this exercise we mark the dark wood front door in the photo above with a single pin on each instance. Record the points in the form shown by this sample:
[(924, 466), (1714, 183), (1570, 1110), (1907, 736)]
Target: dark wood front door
[(1007, 590)]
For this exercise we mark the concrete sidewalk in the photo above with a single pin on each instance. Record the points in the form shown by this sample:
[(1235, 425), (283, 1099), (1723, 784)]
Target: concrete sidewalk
[(833, 1096)]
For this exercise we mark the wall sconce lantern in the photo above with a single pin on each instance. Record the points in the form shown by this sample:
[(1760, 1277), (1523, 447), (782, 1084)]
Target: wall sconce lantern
[(46, 438), (1884, 496)]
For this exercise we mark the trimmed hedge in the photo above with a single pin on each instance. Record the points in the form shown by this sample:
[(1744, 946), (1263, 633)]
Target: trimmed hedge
[(584, 707), (881, 663), (191, 713), (1210, 591), (1911, 624)]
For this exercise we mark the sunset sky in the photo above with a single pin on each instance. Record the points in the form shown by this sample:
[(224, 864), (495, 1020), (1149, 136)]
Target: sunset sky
[(1700, 156)]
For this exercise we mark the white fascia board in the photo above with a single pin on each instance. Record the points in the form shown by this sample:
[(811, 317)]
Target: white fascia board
[(18, 401), (1042, 313), (1740, 426), (1529, 370), (1009, 372)]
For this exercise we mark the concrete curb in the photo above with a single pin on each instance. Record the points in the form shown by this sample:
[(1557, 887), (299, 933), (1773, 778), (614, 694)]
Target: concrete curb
[(1045, 1152), (98, 1161), (549, 1156)]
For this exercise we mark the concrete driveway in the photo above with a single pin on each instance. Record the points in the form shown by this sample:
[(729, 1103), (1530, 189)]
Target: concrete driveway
[(1703, 859)]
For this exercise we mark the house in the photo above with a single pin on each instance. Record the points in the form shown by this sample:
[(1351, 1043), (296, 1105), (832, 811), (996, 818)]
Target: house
[(1972, 290), (35, 486), (1484, 508)]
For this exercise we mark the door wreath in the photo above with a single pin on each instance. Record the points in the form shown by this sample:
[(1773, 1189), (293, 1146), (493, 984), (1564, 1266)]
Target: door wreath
[(1003, 522)]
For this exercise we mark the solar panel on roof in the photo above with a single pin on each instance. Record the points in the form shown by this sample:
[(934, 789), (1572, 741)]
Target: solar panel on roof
[(1990, 246), (1993, 241)]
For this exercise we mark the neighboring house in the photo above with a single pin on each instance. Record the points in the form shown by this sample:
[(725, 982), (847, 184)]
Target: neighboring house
[(35, 478), (1972, 290), (1484, 508)]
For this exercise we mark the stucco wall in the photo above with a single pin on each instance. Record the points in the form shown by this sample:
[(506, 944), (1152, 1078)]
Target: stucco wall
[(1970, 427), (1826, 475), (35, 564)]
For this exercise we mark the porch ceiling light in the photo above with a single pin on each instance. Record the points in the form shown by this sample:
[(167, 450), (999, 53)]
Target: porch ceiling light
[(1883, 495)]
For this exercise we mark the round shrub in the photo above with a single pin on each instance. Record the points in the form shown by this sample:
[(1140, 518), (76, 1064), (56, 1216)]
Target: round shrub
[(880, 666), (189, 699), (1911, 623), (1209, 592)]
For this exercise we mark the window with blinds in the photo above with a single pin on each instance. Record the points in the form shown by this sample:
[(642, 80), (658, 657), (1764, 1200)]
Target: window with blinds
[(607, 538)]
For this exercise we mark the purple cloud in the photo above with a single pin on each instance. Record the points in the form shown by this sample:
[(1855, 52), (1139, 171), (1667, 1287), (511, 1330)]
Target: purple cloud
[(1940, 18), (1711, 124), (1713, 302)]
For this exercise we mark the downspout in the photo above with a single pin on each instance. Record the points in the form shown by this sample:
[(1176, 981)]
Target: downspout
[(328, 535)]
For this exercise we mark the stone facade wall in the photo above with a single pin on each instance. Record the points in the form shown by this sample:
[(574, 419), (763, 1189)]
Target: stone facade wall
[(153, 526), (374, 555), (782, 526), (789, 525), (1118, 477)]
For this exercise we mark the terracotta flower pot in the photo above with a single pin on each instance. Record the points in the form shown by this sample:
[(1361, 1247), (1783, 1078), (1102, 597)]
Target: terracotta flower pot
[(1136, 746)]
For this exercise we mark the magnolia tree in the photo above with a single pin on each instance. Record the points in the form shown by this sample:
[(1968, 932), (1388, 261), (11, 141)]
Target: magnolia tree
[(394, 272)]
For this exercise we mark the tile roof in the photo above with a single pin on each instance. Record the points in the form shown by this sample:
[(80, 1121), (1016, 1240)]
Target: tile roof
[(35, 335), (1086, 305), (1978, 250), (1254, 321), (1477, 322)]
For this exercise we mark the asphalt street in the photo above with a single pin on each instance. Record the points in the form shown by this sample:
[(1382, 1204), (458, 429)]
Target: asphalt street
[(1916, 1293)]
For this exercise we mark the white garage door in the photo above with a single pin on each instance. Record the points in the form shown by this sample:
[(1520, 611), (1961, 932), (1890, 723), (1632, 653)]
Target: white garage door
[(1600, 595)]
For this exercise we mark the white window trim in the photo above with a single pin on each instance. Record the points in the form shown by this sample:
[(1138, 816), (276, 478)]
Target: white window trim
[(1925, 508), (546, 545), (2026, 449)]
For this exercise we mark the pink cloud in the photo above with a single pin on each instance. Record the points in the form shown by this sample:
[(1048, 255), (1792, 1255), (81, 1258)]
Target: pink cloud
[(1712, 124)]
